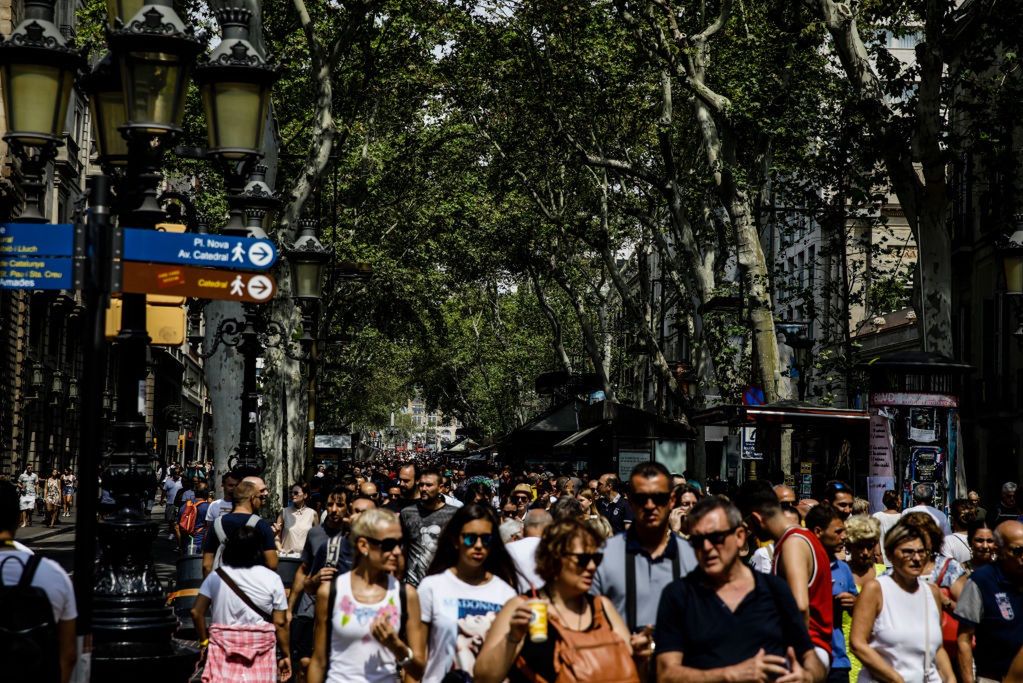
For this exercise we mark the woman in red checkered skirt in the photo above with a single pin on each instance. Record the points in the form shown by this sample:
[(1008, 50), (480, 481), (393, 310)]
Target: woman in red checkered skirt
[(249, 616)]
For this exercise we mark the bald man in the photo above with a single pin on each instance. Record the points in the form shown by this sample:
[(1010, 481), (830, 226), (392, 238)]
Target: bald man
[(990, 609)]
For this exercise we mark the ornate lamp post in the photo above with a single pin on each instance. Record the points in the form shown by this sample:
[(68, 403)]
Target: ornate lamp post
[(308, 260), (152, 54), (37, 72), (235, 82)]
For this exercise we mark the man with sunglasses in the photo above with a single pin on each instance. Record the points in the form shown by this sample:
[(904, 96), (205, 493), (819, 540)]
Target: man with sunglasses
[(725, 623), (422, 524), (799, 558), (646, 558), (990, 610)]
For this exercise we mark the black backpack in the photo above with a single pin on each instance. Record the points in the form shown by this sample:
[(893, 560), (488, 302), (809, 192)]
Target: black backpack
[(28, 631)]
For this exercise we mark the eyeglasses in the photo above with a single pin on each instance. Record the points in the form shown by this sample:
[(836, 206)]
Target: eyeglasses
[(716, 538), (1015, 550), (469, 540), (913, 552), (640, 499), (387, 545), (584, 559)]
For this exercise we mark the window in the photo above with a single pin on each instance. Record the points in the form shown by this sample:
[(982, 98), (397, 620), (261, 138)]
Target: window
[(907, 41)]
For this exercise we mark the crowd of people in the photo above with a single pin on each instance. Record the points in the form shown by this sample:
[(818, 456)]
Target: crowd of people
[(407, 569)]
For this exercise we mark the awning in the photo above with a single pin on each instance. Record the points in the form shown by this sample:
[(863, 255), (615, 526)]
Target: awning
[(577, 437), (782, 412)]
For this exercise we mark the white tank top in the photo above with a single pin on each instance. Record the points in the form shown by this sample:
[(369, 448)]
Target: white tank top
[(355, 655), (907, 633)]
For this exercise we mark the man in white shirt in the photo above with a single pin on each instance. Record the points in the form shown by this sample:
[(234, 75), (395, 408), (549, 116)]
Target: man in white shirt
[(923, 499), (222, 506), (523, 551), (48, 575)]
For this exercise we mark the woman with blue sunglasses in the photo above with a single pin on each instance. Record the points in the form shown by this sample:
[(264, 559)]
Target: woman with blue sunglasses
[(466, 585)]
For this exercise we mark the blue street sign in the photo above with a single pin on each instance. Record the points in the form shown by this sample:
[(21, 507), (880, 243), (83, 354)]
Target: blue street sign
[(37, 239), (191, 249), (34, 272)]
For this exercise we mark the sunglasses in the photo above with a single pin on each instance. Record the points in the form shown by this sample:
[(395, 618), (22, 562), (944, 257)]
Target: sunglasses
[(469, 540), (509, 513), (789, 506), (387, 545), (521, 497), (716, 538), (1015, 550), (640, 499), (584, 559)]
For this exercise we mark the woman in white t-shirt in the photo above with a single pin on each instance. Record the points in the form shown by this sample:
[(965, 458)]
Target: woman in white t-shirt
[(249, 616), (467, 584), (295, 521), (358, 629)]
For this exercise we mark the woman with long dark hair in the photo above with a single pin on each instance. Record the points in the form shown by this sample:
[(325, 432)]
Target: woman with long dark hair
[(469, 581)]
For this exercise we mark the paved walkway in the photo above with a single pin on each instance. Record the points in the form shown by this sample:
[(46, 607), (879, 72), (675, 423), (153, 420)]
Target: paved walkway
[(39, 531)]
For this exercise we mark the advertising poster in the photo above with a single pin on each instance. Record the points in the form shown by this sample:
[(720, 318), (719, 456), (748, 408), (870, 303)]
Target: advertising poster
[(922, 426), (881, 461)]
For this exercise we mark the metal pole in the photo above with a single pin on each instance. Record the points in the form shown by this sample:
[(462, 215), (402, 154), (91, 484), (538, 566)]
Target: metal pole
[(95, 291)]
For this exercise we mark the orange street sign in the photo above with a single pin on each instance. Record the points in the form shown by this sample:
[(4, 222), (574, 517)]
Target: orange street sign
[(203, 283)]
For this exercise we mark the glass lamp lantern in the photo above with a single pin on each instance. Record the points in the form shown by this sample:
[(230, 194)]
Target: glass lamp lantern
[(106, 103), (236, 81), (155, 53), (1011, 252), (308, 259), (37, 72), (119, 11)]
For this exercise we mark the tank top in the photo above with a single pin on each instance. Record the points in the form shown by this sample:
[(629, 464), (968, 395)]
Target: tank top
[(355, 655), (821, 605), (297, 523), (910, 651)]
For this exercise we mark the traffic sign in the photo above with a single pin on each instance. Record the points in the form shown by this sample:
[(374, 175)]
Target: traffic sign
[(32, 272), (203, 283), (191, 249), (37, 239)]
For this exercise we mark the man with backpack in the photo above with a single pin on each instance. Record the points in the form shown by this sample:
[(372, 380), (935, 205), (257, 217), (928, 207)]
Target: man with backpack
[(37, 607), (249, 496)]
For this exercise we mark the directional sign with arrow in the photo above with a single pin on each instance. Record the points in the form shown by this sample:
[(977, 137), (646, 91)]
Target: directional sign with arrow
[(203, 283), (190, 249)]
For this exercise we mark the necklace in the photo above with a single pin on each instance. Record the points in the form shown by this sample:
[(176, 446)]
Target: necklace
[(579, 626)]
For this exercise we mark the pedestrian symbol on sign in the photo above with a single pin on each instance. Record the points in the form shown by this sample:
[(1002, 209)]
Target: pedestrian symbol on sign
[(238, 253), (237, 286)]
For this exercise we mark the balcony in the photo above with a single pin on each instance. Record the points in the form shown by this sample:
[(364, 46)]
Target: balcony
[(69, 159)]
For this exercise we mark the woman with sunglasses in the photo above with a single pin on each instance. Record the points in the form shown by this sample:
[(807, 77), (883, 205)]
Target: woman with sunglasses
[(888, 649), (567, 560), (466, 585), (359, 616), (295, 521)]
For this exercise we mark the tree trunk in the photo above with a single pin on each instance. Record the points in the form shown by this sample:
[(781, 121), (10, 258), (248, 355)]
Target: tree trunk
[(223, 371)]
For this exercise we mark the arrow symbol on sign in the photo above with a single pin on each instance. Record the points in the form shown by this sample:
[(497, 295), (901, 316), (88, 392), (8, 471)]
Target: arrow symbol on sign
[(260, 287), (261, 254)]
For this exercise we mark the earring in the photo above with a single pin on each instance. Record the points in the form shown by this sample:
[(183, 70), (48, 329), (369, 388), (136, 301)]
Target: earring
[(365, 553)]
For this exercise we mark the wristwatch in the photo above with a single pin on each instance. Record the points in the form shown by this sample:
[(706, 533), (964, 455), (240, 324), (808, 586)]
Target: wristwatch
[(409, 654)]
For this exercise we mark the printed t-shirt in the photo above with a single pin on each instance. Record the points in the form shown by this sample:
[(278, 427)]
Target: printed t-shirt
[(459, 615)]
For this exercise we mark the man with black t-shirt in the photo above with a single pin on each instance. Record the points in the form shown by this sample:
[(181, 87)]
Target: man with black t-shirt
[(407, 483), (249, 496), (422, 524), (725, 622)]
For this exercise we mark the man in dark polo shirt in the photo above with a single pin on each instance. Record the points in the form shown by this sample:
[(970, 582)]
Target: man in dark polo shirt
[(724, 622), (991, 608), (613, 504)]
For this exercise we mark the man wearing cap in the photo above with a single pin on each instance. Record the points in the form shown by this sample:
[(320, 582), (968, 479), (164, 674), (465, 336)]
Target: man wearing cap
[(923, 501)]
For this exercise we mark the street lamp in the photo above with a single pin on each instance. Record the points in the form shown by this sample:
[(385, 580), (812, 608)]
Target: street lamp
[(37, 72), (155, 52), (1011, 251), (308, 259), (109, 116), (235, 82)]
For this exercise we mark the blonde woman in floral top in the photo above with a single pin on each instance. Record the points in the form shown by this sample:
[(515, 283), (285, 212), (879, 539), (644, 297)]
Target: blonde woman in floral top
[(358, 636)]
